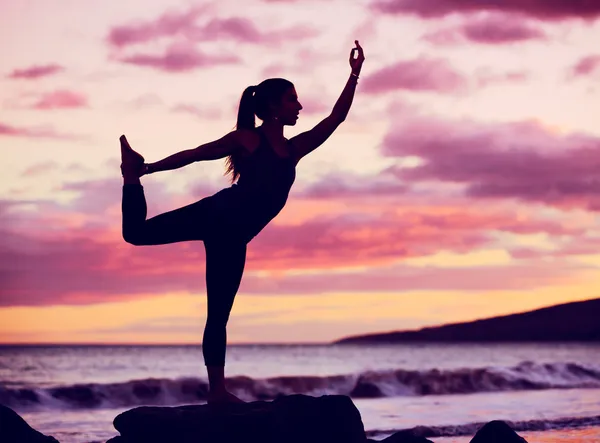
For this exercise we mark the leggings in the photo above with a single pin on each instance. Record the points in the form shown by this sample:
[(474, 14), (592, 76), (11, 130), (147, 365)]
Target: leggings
[(225, 258)]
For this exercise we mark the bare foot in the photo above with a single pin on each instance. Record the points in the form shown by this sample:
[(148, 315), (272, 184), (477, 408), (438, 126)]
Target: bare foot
[(222, 397), (131, 161)]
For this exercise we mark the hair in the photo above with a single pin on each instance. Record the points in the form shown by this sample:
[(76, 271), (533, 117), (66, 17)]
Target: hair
[(256, 100)]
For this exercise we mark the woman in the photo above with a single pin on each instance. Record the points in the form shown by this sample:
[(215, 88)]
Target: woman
[(262, 163)]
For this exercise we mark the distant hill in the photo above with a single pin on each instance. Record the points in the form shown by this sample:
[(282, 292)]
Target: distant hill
[(577, 321)]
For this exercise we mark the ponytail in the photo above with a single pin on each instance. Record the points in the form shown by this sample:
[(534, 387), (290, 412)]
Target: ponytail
[(255, 101), (245, 120)]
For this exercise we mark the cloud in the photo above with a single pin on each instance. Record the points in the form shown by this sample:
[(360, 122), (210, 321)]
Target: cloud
[(586, 66), (485, 77), (179, 58), (520, 160), (402, 278), (350, 185), (37, 169), (416, 75), (80, 257), (89, 266), (36, 71), (183, 25), (212, 113), (168, 24), (145, 101), (33, 132), (182, 33), (490, 30), (61, 99), (541, 9)]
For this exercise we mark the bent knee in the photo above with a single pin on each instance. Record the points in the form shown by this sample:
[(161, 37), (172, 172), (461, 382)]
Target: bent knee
[(133, 238)]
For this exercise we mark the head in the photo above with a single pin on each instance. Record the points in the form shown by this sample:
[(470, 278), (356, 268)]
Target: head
[(273, 101)]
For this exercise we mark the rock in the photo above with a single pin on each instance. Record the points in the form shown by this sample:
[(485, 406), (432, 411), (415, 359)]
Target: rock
[(292, 419), (13, 429), (406, 436), (493, 432), (497, 431)]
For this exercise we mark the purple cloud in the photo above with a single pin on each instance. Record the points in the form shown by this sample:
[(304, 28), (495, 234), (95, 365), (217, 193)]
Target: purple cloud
[(490, 30), (415, 75), (36, 71), (32, 132), (179, 58), (587, 65), (541, 9), (61, 99), (519, 160)]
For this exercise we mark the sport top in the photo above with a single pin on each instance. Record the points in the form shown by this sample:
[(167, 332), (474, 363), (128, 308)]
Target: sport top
[(261, 191)]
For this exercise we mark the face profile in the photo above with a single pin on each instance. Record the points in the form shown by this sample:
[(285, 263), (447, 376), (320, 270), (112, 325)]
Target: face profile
[(288, 110)]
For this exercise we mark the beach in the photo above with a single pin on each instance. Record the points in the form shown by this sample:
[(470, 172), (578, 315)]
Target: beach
[(547, 392)]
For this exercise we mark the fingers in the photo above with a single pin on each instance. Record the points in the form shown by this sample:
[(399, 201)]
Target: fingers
[(124, 141), (359, 48)]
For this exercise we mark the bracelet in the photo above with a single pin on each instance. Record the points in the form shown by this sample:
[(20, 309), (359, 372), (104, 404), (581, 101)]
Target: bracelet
[(353, 74)]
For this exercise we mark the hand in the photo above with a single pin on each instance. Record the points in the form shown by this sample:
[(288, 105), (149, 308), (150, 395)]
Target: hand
[(356, 63)]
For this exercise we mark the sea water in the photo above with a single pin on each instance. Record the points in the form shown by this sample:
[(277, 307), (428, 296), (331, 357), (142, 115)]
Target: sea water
[(547, 392)]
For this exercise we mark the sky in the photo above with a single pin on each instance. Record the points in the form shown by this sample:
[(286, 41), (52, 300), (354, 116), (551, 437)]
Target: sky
[(464, 183)]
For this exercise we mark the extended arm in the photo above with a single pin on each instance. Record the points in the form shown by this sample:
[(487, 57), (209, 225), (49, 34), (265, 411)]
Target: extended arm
[(220, 148), (308, 141)]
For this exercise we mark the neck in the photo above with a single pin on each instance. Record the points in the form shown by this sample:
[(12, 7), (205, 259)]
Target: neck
[(273, 129)]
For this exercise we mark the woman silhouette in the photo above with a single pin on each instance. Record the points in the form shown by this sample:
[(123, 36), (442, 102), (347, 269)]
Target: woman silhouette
[(262, 163)]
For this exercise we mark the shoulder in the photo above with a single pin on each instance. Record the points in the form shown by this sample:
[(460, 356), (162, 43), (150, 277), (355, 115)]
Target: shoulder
[(247, 138)]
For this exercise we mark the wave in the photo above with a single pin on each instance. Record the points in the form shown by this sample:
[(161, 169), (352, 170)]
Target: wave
[(471, 428), (370, 384)]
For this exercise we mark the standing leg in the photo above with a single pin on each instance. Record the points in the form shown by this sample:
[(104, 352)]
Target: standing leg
[(225, 262)]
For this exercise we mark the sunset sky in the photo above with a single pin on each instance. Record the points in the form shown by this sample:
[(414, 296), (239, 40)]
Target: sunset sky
[(465, 182)]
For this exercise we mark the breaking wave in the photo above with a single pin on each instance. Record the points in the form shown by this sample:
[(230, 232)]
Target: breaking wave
[(371, 384)]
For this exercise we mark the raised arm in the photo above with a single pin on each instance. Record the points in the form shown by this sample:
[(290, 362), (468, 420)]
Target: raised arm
[(226, 145), (308, 141)]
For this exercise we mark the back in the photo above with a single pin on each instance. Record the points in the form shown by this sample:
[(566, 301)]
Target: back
[(265, 172)]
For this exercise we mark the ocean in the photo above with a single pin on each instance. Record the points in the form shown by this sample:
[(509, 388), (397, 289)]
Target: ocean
[(548, 392)]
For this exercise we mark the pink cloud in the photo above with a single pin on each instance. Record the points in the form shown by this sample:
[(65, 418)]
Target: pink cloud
[(519, 160), (541, 9), (33, 132), (81, 258), (197, 111), (168, 24), (179, 58), (486, 78), (61, 99), (340, 186), (184, 25), (401, 278), (91, 265), (38, 169), (416, 75), (36, 71), (587, 65), (493, 30)]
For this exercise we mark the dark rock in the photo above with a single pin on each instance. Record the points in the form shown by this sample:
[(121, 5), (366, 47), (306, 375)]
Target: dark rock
[(13, 429), (291, 419), (406, 436), (497, 431)]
